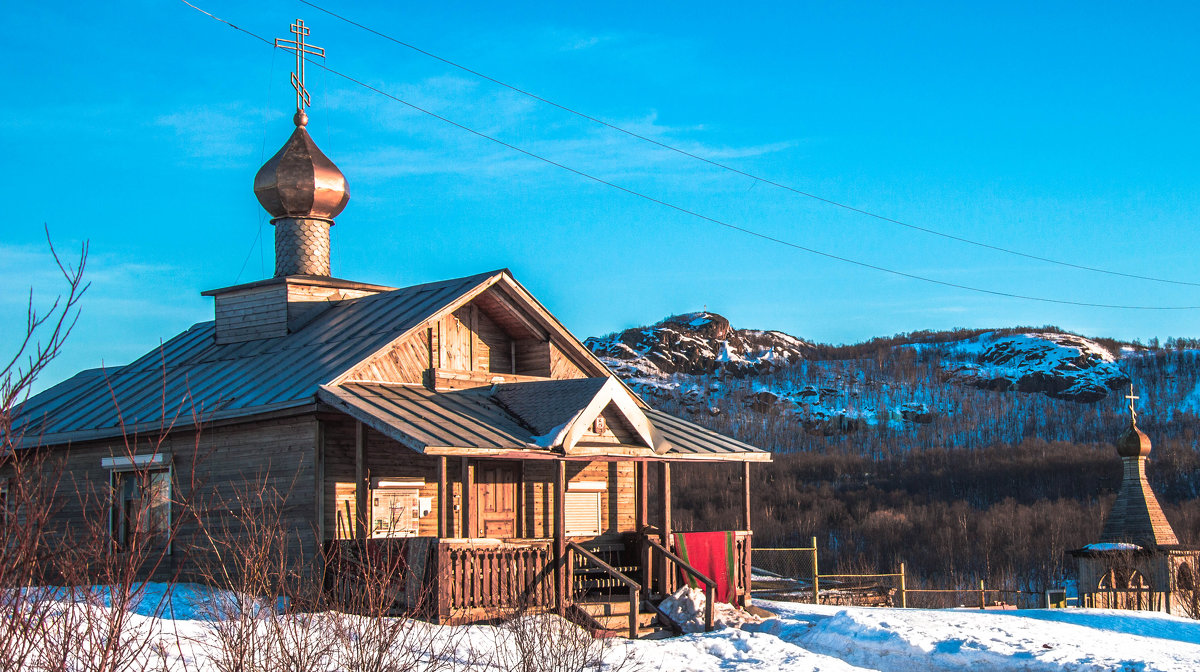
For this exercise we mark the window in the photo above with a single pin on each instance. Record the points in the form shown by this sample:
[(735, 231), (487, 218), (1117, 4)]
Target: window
[(583, 504), (141, 506), (583, 513), (395, 512)]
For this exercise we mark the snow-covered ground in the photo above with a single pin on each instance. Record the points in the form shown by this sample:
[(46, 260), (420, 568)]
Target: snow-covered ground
[(800, 637)]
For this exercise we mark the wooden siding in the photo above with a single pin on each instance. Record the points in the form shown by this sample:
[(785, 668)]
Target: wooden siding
[(215, 474), (386, 459), (257, 312), (561, 366), (533, 358), (405, 362)]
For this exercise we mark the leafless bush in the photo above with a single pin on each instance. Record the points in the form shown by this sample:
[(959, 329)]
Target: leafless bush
[(372, 582), (529, 641), (30, 480)]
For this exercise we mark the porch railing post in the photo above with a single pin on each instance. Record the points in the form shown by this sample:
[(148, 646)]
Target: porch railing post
[(560, 537)]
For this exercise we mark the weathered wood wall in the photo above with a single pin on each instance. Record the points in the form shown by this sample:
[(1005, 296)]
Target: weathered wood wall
[(217, 477)]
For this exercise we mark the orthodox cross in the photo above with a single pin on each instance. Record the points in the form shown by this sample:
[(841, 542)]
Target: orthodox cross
[(1132, 398), (300, 48)]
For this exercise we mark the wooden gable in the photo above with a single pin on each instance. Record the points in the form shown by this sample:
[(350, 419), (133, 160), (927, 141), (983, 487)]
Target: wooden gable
[(496, 333)]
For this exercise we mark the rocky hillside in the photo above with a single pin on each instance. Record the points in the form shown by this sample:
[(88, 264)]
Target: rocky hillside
[(700, 365), (696, 344)]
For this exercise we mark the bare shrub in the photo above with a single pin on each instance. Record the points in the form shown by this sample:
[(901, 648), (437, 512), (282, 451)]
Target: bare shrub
[(371, 583), (531, 641)]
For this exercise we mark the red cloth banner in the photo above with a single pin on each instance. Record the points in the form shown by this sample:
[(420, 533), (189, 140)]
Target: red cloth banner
[(712, 554)]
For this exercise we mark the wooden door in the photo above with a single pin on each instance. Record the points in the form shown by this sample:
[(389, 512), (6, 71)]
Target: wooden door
[(457, 340), (496, 487)]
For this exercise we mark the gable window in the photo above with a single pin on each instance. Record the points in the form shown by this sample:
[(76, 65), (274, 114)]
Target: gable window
[(140, 510)]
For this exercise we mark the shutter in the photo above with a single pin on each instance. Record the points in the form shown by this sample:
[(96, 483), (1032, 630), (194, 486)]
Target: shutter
[(583, 513)]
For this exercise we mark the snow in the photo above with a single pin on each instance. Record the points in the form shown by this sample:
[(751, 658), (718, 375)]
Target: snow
[(1112, 547), (553, 437), (800, 637), (686, 607)]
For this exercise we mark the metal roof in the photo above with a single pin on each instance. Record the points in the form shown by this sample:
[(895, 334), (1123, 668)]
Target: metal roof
[(191, 374), (421, 418), (545, 405), (693, 441), (473, 420)]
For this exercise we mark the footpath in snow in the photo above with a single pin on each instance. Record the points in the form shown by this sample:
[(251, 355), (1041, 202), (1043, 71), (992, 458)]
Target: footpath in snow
[(809, 637)]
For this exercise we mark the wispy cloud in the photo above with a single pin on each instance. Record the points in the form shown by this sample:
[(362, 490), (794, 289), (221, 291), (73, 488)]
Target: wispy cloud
[(216, 133)]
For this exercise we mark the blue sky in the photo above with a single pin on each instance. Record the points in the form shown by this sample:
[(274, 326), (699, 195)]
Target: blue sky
[(1066, 131)]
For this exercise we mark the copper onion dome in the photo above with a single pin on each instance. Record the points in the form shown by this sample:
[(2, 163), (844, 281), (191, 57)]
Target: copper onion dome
[(300, 181), (1133, 443)]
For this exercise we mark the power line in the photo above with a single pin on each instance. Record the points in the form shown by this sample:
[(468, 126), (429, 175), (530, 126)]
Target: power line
[(756, 178), (698, 215)]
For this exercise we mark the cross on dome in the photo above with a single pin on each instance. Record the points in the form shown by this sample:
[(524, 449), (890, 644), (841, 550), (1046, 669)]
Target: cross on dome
[(299, 47), (1132, 398)]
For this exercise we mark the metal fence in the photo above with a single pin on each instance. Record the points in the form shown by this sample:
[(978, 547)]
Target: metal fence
[(793, 574)]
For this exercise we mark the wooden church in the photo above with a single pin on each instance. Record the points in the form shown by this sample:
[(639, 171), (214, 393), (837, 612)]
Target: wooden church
[(456, 421), (1138, 562)]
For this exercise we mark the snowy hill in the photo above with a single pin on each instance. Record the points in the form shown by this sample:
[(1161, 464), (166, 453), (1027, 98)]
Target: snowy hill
[(696, 344), (1063, 366), (699, 364)]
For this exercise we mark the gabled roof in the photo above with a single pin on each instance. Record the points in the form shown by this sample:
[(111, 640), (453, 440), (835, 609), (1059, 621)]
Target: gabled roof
[(192, 379), (476, 422), (192, 374)]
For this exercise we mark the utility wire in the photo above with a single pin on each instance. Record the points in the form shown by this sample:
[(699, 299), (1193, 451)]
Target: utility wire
[(698, 215), (756, 178)]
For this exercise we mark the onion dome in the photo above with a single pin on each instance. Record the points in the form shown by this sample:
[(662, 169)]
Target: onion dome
[(300, 181), (1133, 442)]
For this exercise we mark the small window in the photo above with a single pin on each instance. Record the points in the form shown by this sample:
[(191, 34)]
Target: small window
[(583, 513), (345, 503), (395, 512), (141, 505)]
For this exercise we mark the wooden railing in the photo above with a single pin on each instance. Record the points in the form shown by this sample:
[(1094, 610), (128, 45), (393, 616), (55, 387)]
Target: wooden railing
[(710, 586), (635, 589), (742, 556), (476, 579)]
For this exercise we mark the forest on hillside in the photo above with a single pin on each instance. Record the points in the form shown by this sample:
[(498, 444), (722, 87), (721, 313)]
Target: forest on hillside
[(998, 486)]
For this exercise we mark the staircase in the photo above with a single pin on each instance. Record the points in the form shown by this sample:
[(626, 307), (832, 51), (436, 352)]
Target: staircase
[(610, 617)]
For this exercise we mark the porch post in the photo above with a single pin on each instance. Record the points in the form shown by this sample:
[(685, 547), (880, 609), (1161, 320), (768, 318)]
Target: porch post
[(643, 519), (560, 536), (360, 481), (443, 513), (746, 496), (468, 484), (667, 585)]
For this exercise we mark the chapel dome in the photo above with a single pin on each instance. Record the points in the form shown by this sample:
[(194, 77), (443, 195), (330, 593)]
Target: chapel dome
[(300, 181), (1133, 443)]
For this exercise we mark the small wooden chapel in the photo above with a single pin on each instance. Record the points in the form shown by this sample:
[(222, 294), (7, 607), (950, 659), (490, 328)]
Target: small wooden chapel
[(1138, 562), (457, 421)]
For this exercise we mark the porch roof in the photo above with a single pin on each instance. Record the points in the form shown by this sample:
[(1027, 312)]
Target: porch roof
[(488, 421)]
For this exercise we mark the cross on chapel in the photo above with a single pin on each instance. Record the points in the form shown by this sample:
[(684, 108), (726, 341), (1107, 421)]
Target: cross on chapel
[(300, 48), (1132, 398)]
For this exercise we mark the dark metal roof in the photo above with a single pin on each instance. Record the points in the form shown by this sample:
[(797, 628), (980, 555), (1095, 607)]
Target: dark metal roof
[(421, 418), (472, 419), (693, 441), (545, 405), (192, 374)]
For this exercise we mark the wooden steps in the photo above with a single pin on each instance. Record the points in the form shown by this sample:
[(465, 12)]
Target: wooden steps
[(612, 617)]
